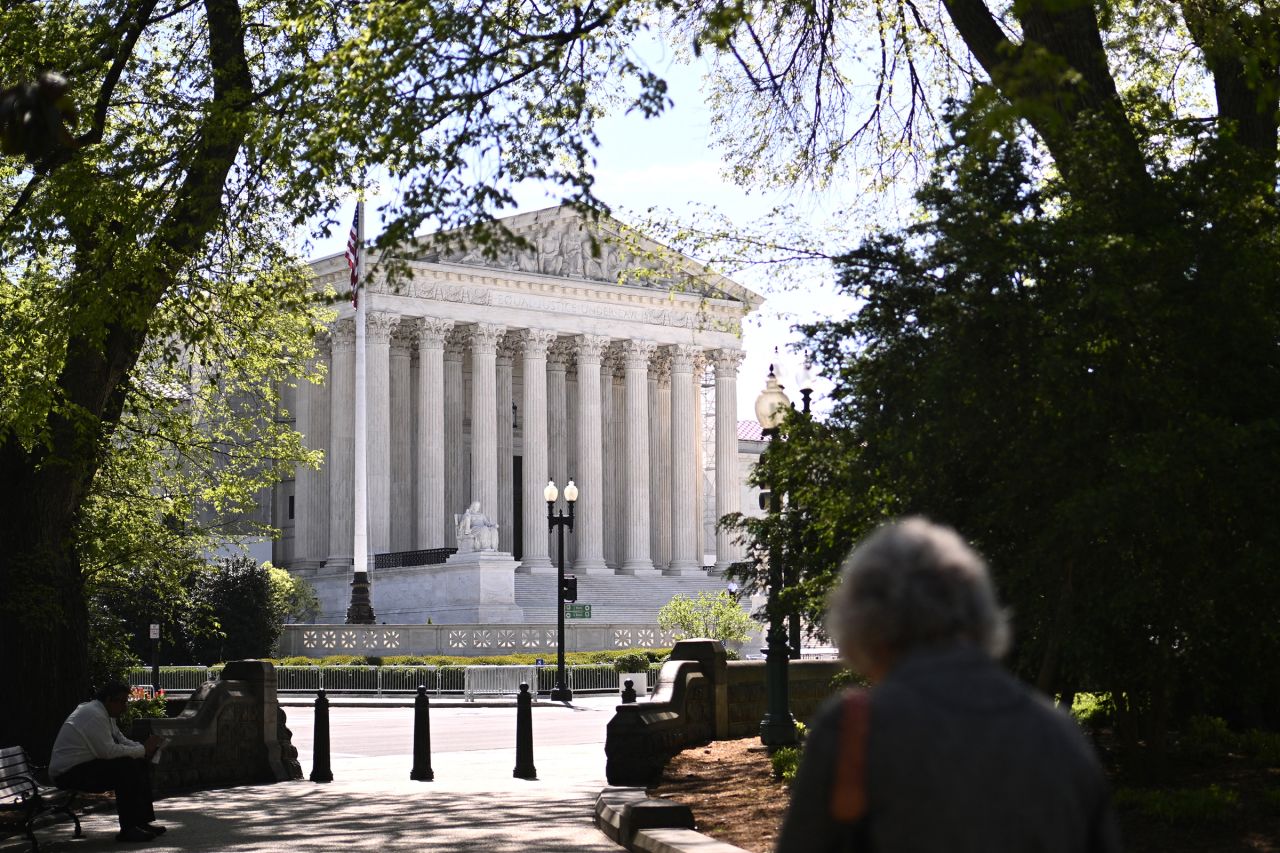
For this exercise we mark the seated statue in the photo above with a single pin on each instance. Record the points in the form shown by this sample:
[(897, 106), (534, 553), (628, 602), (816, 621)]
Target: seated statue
[(476, 532)]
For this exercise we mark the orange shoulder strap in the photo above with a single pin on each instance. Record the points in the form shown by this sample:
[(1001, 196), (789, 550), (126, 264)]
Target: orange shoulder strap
[(849, 793)]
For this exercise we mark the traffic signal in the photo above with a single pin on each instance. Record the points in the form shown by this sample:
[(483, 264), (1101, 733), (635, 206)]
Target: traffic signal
[(569, 588)]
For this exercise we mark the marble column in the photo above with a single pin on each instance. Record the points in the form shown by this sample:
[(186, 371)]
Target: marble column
[(455, 460), (608, 476), (506, 445), (429, 472), (484, 416), (589, 526), (559, 356), (534, 419), (662, 487), (728, 496), (378, 329), (700, 362), (619, 454), (312, 531), (571, 470), (401, 439), (685, 514), (636, 554), (341, 459)]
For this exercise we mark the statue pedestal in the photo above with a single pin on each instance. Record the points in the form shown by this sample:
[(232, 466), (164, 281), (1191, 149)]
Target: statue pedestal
[(475, 587)]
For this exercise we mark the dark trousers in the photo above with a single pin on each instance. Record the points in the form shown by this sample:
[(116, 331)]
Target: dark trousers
[(130, 778)]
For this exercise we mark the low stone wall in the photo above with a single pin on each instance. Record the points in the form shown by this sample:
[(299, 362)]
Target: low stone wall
[(230, 732), (809, 683), (498, 639)]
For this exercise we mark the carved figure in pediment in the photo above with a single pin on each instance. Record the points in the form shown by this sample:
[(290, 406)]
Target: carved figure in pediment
[(571, 246), (550, 261)]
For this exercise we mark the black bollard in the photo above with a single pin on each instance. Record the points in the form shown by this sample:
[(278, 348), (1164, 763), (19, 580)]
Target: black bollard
[(628, 692), (422, 771), (524, 735), (320, 769)]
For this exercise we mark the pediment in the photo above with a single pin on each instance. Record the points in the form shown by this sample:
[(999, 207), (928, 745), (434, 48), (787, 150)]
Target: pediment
[(560, 242)]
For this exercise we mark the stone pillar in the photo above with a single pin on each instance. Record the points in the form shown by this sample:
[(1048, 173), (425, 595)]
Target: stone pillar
[(378, 328), (571, 469), (660, 506), (484, 416), (636, 555), (619, 455), (685, 514), (608, 478), (559, 356), (728, 497), (401, 439), (311, 533), (589, 526), (535, 557), (700, 454), (430, 472), (341, 461), (455, 461), (506, 445)]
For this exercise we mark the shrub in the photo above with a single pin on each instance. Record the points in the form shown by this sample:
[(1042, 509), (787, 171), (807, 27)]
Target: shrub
[(1092, 710), (1262, 746), (847, 678), (1189, 805), (141, 705), (785, 762), (1207, 737), (717, 616), (633, 662)]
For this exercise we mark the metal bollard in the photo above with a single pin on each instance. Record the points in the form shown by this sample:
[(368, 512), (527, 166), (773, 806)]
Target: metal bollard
[(320, 769), (628, 692), (422, 771), (524, 735)]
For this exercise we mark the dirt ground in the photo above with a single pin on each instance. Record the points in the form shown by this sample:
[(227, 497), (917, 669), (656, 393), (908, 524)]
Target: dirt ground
[(729, 785)]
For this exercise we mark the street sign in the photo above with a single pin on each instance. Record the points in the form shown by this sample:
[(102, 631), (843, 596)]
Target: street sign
[(577, 611), (155, 631), (539, 662)]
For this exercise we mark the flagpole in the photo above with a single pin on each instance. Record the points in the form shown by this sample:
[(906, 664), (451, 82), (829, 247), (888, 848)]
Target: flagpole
[(361, 610)]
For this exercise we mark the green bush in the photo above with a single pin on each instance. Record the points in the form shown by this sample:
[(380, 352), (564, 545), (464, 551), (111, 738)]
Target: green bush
[(785, 762), (1092, 710), (847, 678), (140, 705), (1189, 805), (634, 662), (344, 660), (1261, 746), (1207, 737)]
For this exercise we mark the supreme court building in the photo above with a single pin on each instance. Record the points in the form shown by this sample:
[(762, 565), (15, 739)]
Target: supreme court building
[(487, 377)]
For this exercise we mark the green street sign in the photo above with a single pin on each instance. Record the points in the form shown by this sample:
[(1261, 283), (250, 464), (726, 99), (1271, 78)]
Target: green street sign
[(577, 611)]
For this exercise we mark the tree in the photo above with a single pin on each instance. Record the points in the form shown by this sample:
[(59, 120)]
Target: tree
[(716, 616), (247, 613), (150, 203), (293, 597)]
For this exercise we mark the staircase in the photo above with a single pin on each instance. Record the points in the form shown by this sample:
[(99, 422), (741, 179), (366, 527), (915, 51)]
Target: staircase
[(613, 598)]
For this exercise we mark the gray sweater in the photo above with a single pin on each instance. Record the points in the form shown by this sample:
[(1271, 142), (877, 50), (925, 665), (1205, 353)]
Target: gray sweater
[(960, 757)]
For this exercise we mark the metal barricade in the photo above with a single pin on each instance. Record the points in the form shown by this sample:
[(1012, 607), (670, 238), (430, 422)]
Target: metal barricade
[(406, 679), (298, 679), (497, 680), (593, 678)]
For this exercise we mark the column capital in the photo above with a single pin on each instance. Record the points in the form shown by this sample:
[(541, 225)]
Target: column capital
[(378, 326), (432, 332), (535, 342), (323, 343), (455, 344), (508, 346), (343, 334), (636, 354), (483, 337), (682, 358), (403, 337), (560, 354), (727, 361), (591, 348), (660, 366)]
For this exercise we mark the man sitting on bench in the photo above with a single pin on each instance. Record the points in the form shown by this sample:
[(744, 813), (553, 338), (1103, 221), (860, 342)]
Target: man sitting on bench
[(91, 754)]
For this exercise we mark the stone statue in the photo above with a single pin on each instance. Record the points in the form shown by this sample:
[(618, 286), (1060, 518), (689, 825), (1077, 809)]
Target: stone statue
[(476, 532)]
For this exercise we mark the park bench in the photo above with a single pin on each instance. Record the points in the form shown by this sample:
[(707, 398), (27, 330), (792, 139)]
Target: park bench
[(21, 793)]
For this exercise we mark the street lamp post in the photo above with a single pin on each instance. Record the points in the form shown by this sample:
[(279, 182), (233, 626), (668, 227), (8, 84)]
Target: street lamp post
[(778, 727), (557, 520), (804, 378)]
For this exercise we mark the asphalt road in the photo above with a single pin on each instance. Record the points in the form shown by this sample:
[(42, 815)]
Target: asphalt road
[(377, 732)]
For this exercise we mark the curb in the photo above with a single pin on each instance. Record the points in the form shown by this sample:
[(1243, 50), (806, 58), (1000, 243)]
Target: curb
[(638, 822)]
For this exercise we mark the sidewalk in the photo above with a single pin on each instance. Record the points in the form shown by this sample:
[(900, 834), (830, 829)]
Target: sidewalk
[(474, 804)]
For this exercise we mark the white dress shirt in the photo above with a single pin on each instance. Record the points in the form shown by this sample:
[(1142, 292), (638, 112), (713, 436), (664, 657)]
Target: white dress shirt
[(89, 733)]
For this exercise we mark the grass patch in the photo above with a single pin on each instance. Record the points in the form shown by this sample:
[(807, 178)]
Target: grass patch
[(1210, 804)]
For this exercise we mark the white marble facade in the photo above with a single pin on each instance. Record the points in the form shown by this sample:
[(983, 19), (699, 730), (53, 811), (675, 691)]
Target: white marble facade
[(489, 376)]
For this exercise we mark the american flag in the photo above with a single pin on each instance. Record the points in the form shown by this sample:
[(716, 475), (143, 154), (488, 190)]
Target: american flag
[(353, 255)]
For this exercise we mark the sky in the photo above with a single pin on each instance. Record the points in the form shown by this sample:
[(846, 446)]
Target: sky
[(668, 162)]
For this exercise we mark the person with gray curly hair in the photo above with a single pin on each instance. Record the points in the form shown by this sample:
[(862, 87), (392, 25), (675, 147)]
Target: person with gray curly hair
[(946, 750)]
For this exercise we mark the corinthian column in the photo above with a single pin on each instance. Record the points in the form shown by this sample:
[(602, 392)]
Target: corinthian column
[(636, 556), (506, 445), (430, 463), (559, 357), (660, 458), (608, 455), (455, 411), (401, 438), (684, 465), (342, 382), (589, 527), (378, 330), (534, 558), (617, 361), (312, 533), (728, 498), (484, 416)]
